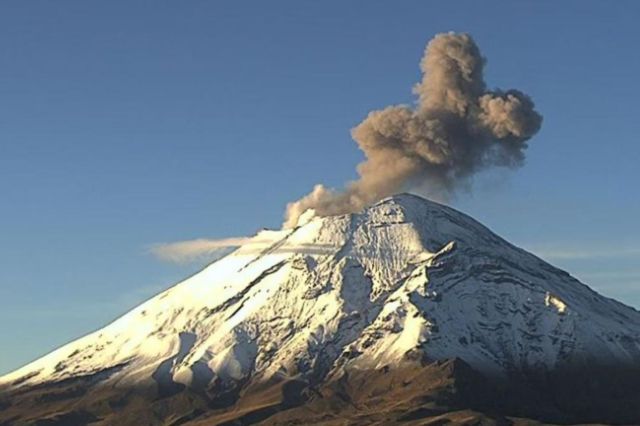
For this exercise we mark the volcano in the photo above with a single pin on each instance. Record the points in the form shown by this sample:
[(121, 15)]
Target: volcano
[(408, 312)]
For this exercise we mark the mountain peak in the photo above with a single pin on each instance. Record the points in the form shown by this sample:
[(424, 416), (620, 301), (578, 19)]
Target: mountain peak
[(405, 282), (407, 199), (427, 224)]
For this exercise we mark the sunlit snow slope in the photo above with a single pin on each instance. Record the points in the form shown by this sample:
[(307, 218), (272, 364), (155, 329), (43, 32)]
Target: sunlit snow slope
[(405, 279)]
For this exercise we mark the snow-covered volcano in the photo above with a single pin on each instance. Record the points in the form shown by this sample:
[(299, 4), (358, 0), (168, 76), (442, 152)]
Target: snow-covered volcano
[(404, 280)]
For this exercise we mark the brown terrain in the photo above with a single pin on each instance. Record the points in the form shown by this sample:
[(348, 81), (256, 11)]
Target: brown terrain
[(422, 393)]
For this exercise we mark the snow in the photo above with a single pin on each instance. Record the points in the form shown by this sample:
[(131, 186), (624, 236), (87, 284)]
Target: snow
[(550, 300), (406, 277)]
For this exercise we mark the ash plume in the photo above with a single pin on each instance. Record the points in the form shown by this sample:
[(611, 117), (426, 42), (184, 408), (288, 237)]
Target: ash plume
[(456, 129)]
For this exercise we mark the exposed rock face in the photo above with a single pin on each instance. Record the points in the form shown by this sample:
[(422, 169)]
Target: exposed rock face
[(328, 318)]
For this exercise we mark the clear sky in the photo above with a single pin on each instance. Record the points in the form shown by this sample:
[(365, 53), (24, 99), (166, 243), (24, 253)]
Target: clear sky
[(128, 123)]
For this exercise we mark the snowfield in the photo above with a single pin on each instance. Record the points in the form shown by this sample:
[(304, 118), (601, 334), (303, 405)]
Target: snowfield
[(405, 279)]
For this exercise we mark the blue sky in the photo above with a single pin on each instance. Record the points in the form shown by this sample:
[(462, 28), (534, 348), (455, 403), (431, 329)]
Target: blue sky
[(128, 123)]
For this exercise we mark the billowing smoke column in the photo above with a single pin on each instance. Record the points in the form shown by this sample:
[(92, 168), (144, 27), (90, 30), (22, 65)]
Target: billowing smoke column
[(457, 128)]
